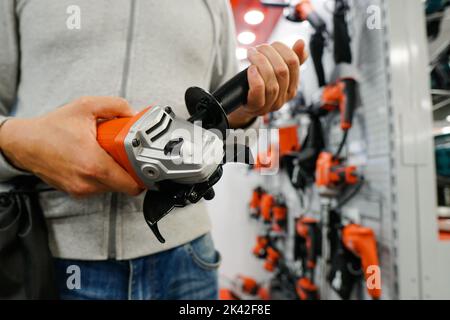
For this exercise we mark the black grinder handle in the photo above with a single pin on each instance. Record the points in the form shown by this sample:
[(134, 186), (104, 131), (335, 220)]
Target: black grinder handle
[(233, 94)]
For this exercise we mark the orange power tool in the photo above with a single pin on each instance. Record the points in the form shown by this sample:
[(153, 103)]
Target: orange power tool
[(309, 230), (288, 140), (267, 202), (272, 259), (255, 203), (361, 242), (260, 249), (178, 161), (342, 96), (330, 172), (280, 212), (251, 287), (307, 290)]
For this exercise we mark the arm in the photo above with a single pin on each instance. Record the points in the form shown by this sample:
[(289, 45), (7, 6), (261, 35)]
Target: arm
[(60, 147), (9, 76)]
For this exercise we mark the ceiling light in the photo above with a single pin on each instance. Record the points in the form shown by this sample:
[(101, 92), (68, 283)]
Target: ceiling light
[(448, 118), (246, 37), (254, 17), (241, 54)]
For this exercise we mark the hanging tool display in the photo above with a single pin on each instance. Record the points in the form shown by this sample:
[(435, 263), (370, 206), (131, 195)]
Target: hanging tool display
[(301, 166), (307, 290), (267, 203), (354, 259), (251, 287), (362, 243), (280, 214), (245, 288), (345, 276), (255, 202), (288, 140), (313, 166), (260, 248), (266, 250), (167, 165), (272, 259), (307, 249), (332, 173), (308, 245), (342, 93)]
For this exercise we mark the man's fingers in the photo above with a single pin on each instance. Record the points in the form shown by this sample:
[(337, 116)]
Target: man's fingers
[(281, 72), (299, 49), (256, 94), (266, 71), (114, 177), (293, 63), (107, 107)]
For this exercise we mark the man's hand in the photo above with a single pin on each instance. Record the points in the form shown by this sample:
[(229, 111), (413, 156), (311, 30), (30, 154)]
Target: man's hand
[(62, 149), (273, 79)]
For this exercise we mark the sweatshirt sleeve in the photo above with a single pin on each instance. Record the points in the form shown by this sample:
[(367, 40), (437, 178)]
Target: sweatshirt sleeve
[(9, 75), (226, 65)]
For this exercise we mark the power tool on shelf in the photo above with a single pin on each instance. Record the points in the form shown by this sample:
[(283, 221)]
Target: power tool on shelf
[(361, 241), (165, 155), (267, 202), (280, 214), (308, 244), (288, 140), (255, 202), (301, 166), (261, 246), (332, 173), (345, 275), (307, 249), (307, 290), (272, 259), (251, 287), (355, 259), (342, 92)]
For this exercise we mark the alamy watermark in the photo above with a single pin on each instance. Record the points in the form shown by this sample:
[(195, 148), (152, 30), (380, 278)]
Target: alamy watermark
[(73, 21), (73, 281)]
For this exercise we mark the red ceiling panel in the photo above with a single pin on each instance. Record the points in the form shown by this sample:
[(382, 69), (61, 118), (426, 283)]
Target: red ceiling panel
[(263, 30)]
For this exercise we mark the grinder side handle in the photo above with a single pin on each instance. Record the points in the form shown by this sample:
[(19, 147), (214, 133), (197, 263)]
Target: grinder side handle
[(233, 94)]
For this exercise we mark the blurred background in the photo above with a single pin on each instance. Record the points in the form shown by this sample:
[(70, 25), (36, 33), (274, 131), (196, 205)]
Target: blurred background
[(360, 206)]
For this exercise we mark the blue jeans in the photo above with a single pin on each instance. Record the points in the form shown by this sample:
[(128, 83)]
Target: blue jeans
[(188, 272)]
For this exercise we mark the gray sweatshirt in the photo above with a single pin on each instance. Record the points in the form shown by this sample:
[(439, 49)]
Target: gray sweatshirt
[(147, 51)]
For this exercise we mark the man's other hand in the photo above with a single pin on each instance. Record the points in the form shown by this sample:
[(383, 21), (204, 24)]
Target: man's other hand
[(273, 78)]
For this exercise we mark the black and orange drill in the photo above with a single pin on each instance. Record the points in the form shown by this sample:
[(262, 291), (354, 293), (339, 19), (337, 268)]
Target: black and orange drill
[(260, 248), (288, 140), (342, 96), (361, 241), (267, 202), (255, 202), (308, 248), (307, 290), (280, 214), (251, 287), (331, 172), (272, 259)]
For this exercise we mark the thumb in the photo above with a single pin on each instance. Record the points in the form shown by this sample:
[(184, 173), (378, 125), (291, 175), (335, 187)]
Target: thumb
[(110, 107), (300, 51)]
